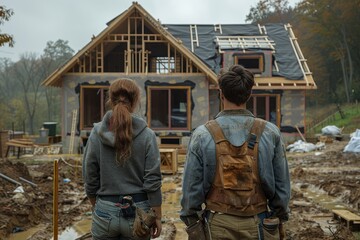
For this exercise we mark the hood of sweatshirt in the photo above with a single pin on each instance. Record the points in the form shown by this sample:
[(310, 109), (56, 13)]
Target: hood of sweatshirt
[(107, 136)]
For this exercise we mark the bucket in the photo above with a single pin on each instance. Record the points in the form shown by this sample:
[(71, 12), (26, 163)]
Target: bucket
[(44, 132), (52, 128)]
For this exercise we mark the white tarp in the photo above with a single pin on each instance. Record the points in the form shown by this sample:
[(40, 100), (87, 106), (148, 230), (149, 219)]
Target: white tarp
[(300, 146), (331, 130), (354, 143)]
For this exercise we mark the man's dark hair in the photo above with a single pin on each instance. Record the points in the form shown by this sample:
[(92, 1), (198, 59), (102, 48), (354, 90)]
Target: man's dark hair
[(236, 84)]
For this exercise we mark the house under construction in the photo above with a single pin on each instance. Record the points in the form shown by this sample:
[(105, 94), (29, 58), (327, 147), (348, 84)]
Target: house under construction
[(177, 67)]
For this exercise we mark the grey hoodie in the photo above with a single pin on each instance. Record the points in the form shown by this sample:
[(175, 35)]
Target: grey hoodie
[(140, 174)]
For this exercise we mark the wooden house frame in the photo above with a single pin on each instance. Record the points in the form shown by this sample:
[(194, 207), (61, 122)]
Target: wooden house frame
[(177, 78)]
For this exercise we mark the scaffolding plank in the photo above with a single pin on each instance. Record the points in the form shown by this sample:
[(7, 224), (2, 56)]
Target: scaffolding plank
[(349, 217)]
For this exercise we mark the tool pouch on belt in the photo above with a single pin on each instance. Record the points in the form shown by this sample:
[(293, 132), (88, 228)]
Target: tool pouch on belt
[(271, 228), (143, 222), (199, 230)]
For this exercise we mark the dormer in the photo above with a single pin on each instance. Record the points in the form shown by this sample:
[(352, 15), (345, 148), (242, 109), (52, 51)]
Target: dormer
[(253, 52)]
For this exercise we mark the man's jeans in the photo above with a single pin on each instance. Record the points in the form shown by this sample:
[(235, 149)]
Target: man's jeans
[(109, 223)]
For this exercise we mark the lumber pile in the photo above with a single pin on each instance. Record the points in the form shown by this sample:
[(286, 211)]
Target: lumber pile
[(21, 144)]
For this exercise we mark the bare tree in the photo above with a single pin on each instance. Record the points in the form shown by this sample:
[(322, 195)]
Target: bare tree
[(26, 73), (55, 55)]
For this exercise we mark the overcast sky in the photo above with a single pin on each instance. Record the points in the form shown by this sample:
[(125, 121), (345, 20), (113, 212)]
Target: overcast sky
[(36, 22)]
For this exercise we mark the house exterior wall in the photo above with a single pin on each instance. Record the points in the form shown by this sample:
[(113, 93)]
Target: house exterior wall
[(71, 101), (292, 114)]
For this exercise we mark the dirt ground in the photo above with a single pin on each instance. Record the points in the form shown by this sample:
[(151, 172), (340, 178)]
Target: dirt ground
[(321, 181)]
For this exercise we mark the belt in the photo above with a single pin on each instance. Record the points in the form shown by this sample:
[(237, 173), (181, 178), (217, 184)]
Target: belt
[(137, 197)]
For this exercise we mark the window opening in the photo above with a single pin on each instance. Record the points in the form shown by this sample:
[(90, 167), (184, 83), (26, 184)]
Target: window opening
[(265, 107), (169, 108), (253, 62), (165, 65), (92, 105), (170, 141)]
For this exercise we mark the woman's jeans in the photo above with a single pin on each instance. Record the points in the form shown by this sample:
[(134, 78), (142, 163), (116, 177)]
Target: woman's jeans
[(109, 223)]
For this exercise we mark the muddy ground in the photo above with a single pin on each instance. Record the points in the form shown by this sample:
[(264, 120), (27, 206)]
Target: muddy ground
[(321, 181)]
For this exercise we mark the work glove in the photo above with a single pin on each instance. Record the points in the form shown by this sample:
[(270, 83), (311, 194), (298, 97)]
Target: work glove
[(143, 222)]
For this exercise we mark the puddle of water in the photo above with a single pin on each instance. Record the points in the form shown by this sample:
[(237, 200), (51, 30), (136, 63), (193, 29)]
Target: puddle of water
[(324, 223), (79, 229), (319, 196), (171, 208), (25, 234)]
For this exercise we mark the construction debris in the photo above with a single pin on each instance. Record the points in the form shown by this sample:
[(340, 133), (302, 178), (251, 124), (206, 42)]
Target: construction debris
[(332, 174)]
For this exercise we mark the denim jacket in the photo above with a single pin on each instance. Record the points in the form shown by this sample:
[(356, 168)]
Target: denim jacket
[(200, 163)]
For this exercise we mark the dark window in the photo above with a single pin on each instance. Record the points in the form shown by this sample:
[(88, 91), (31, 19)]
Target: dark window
[(265, 107), (92, 105), (170, 141), (169, 108), (253, 62)]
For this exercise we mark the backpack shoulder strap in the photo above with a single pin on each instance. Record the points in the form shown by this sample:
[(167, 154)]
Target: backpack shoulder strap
[(254, 137), (215, 131), (256, 132)]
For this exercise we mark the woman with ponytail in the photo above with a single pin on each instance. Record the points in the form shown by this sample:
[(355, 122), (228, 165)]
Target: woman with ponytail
[(121, 167)]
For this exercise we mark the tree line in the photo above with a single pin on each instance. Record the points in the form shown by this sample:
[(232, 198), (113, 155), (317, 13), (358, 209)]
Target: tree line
[(24, 103), (327, 31), (329, 35)]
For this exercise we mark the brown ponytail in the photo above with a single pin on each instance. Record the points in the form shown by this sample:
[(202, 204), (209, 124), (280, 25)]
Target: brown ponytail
[(124, 97)]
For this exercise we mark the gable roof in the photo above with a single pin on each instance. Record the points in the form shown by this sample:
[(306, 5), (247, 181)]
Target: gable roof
[(55, 78), (293, 72)]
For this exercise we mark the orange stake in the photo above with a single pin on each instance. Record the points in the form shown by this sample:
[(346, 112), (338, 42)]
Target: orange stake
[(55, 198)]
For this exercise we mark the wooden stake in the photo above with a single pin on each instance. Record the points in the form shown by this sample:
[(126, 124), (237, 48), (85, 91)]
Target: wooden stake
[(302, 137), (55, 199)]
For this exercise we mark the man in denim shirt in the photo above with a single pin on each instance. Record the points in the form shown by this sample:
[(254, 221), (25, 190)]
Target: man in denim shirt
[(200, 168)]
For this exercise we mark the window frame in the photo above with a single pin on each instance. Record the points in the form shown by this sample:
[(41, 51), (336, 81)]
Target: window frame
[(82, 102), (258, 56), (169, 88), (267, 105)]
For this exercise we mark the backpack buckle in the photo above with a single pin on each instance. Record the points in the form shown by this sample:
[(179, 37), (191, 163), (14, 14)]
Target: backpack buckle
[(252, 141)]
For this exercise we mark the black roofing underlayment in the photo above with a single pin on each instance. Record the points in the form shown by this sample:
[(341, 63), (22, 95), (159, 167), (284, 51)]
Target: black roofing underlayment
[(284, 53)]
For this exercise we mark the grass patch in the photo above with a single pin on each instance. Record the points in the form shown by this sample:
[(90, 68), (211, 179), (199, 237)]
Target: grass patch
[(349, 122)]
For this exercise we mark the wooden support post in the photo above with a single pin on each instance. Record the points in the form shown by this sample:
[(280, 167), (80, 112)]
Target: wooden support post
[(55, 199), (302, 137), (73, 130)]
